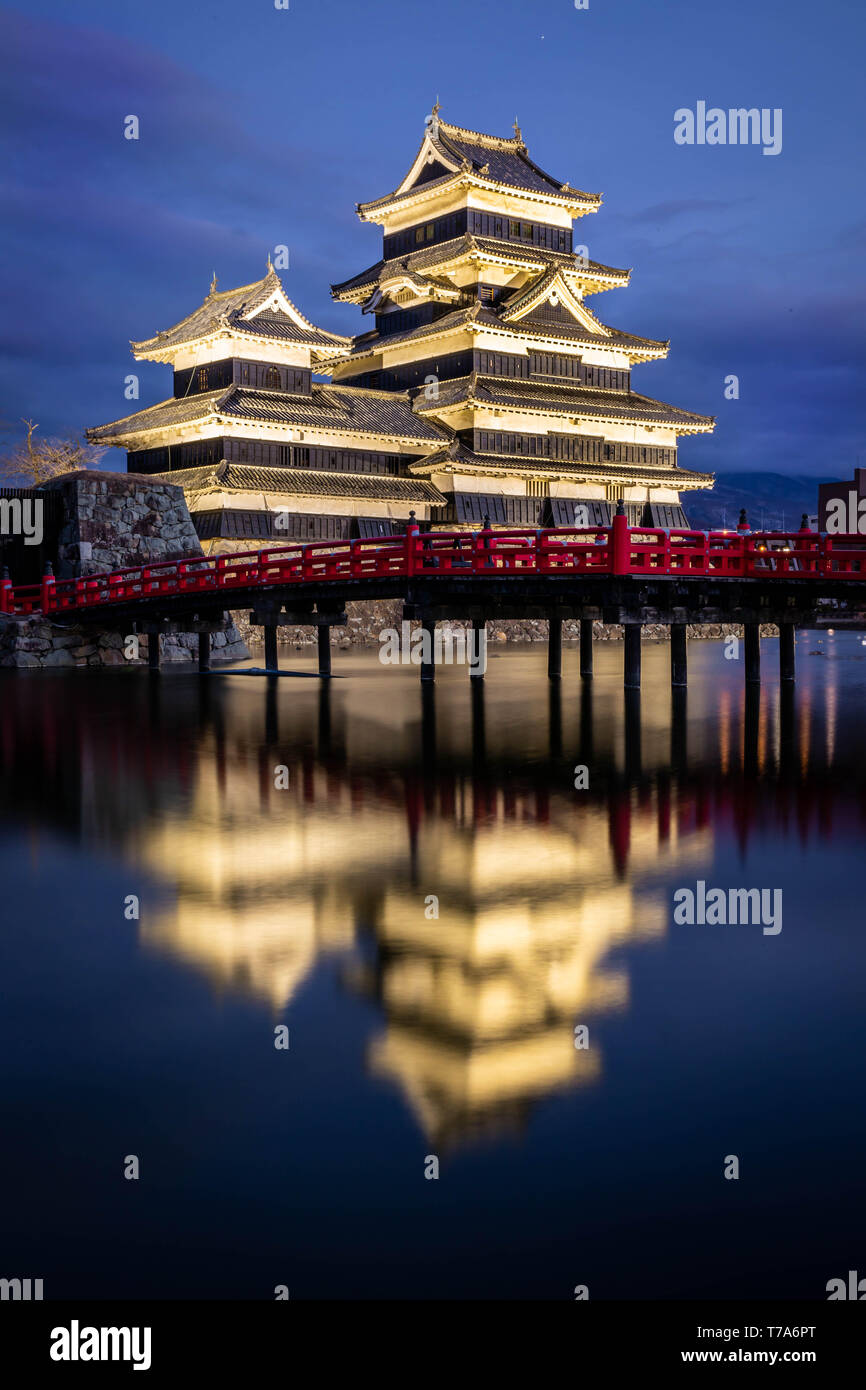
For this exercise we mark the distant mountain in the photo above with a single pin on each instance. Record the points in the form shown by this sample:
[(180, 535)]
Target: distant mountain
[(773, 501)]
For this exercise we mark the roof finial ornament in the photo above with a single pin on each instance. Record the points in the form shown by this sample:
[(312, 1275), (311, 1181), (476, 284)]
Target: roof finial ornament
[(270, 264), (431, 122), (517, 132), (213, 284)]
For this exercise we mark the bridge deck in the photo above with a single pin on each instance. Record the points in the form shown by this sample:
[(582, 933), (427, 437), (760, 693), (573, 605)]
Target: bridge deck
[(369, 568)]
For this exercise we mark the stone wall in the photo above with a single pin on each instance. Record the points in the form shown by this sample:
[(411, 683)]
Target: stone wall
[(111, 521), (31, 642), (117, 519)]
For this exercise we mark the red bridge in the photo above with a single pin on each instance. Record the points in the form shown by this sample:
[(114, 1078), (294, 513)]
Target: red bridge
[(617, 574)]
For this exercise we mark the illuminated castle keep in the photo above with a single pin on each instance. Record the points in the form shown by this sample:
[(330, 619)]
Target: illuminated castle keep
[(487, 387)]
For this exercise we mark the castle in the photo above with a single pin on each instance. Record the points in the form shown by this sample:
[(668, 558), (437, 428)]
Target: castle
[(487, 391)]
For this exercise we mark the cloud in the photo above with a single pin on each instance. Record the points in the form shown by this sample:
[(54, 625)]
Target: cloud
[(107, 239)]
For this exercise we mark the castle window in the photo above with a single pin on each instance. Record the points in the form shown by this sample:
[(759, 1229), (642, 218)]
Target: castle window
[(419, 234), (514, 229), (202, 378), (272, 379), (431, 230)]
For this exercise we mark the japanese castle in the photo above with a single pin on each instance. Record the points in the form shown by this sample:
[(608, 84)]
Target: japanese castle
[(486, 389)]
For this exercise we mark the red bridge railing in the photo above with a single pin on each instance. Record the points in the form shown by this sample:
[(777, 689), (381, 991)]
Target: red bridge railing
[(613, 550)]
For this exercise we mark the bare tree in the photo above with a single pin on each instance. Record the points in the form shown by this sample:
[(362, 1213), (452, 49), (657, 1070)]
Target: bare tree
[(34, 461)]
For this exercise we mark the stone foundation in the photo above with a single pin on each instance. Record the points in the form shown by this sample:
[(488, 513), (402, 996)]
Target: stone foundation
[(34, 643), (113, 521)]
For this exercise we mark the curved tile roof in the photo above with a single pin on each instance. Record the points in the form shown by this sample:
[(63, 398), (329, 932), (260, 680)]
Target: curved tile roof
[(486, 317), (302, 482), (566, 400), (457, 458), (340, 408), (498, 159), (232, 309), (444, 251)]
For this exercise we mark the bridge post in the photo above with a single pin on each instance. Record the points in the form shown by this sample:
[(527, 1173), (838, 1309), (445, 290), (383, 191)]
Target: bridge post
[(679, 662), (203, 651), (631, 698), (752, 633), (586, 649), (272, 660), (554, 646), (324, 636), (679, 728), (428, 668), (631, 661), (787, 670)]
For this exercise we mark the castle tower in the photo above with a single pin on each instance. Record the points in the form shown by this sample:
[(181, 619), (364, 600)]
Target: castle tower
[(479, 306)]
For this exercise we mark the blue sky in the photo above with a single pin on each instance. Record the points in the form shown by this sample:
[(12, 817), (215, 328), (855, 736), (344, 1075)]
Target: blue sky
[(261, 127)]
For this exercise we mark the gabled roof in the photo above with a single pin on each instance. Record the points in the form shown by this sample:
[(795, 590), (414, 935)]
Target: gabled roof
[(580, 402), (490, 161), (555, 289), (522, 257), (341, 409), (261, 309)]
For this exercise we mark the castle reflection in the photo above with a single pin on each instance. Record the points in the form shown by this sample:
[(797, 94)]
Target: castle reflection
[(433, 843)]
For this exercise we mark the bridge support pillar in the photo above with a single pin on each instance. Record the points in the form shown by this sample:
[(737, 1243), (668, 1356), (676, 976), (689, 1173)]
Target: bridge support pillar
[(679, 661), (153, 651), (204, 651), (554, 647), (752, 633), (324, 635), (586, 649), (476, 668), (272, 661), (428, 668), (631, 663), (787, 671)]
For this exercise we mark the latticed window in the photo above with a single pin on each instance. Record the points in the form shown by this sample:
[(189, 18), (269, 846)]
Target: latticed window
[(537, 487), (202, 378), (272, 379)]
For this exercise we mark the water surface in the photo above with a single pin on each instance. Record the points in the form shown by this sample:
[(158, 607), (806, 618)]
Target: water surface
[(414, 1036)]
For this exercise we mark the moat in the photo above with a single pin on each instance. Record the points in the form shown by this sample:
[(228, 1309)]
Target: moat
[(283, 845)]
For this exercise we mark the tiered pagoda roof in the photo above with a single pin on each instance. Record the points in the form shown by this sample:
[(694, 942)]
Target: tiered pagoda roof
[(509, 296)]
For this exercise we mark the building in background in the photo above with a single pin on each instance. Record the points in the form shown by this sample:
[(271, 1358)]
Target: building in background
[(486, 389), (842, 506)]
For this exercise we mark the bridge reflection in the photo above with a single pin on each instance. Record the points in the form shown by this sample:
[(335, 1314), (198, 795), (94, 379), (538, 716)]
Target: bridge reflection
[(450, 793)]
